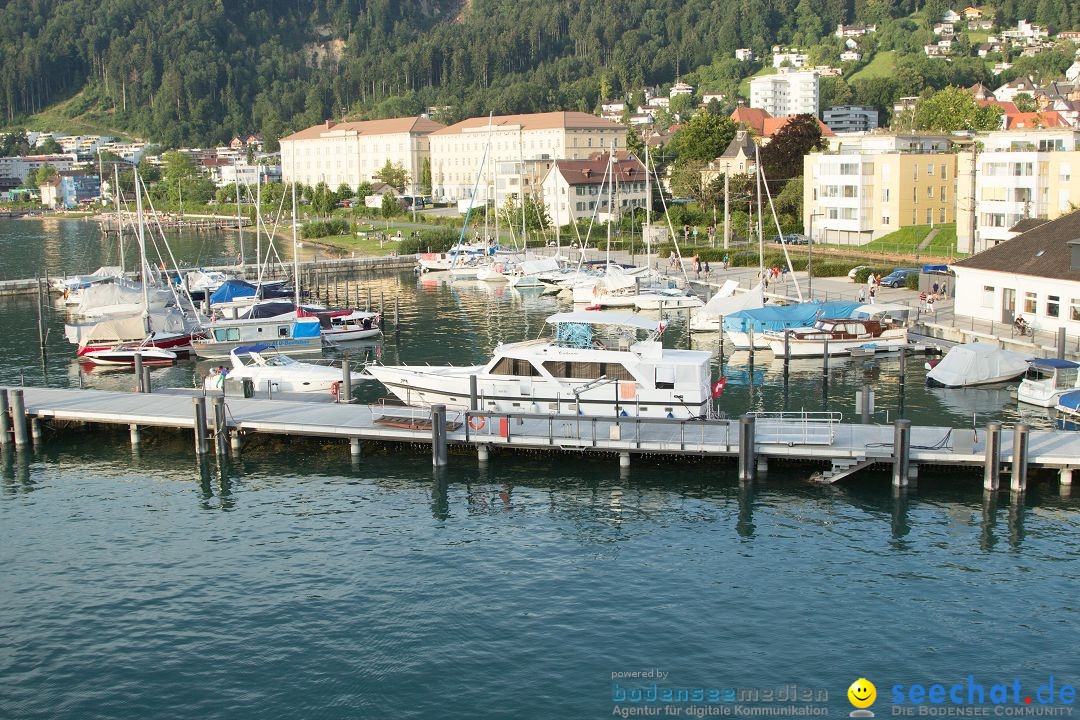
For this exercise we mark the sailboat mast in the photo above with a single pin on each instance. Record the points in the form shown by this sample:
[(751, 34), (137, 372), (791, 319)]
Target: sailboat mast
[(258, 222), (145, 271), (521, 192), (761, 240), (295, 256), (119, 217), (648, 206), (239, 220), (611, 201)]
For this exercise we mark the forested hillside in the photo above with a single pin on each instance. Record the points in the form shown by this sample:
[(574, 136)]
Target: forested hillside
[(199, 71)]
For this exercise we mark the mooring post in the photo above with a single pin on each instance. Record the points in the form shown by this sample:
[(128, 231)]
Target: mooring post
[(367, 307), (138, 373), (901, 452), (382, 303), (747, 460), (825, 359), (903, 364), (1065, 476), (35, 429), (397, 312), (473, 394), (992, 462), (438, 435), (787, 350), (1061, 343), (482, 452), (1018, 482), (864, 404), (346, 379), (221, 429), (354, 447), (624, 459), (134, 434), (5, 419), (201, 445), (18, 418), (146, 386)]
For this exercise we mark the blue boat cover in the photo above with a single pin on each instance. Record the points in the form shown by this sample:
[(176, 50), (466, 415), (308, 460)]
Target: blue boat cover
[(306, 328), (250, 349), (1071, 400), (935, 268), (232, 289), (1054, 363), (784, 317)]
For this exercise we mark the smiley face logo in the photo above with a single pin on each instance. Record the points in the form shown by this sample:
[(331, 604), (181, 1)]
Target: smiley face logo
[(862, 694)]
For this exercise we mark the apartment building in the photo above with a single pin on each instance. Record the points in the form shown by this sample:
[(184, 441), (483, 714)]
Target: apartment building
[(786, 93), (353, 152), (575, 189), (1017, 175), (851, 118), (20, 167), (857, 198), (457, 151)]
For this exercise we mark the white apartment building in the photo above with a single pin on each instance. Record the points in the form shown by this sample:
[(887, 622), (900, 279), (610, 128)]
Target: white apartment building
[(20, 167), (354, 152), (457, 151), (794, 58), (1018, 175), (786, 93), (876, 143)]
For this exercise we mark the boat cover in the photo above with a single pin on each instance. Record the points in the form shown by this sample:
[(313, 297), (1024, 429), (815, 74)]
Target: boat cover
[(785, 317), (975, 364), (1055, 363), (103, 295), (537, 266), (1070, 401), (232, 289), (725, 301), (306, 328), (129, 328)]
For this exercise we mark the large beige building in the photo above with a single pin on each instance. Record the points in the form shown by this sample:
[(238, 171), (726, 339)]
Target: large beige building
[(575, 189), (353, 152), (1019, 175), (457, 151), (858, 198)]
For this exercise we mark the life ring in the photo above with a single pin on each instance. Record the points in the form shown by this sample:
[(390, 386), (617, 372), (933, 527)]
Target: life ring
[(476, 422), (334, 386)]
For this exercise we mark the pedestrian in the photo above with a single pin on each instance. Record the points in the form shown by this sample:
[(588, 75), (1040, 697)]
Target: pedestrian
[(727, 259), (934, 288), (862, 296), (695, 234), (873, 293), (671, 260), (930, 304), (706, 270), (686, 233), (697, 265)]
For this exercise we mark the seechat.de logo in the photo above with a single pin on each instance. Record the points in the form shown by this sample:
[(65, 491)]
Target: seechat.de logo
[(862, 694)]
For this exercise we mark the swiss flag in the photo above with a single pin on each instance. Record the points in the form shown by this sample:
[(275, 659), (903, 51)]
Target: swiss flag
[(718, 387)]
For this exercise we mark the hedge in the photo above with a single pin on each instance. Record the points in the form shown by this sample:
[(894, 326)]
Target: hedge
[(324, 228), (438, 239)]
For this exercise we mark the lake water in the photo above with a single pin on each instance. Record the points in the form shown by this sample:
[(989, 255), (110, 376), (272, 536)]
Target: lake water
[(294, 582)]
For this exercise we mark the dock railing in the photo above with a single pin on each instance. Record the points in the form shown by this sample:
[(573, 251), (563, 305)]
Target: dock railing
[(796, 428)]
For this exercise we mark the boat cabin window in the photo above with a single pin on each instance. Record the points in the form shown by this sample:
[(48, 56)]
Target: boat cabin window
[(587, 370), (225, 334), (283, 331), (1066, 377), (515, 366), (665, 378)]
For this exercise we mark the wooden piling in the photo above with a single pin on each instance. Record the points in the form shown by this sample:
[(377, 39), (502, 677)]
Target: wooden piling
[(201, 444), (439, 457), (901, 452), (747, 459), (992, 462), (18, 418), (1018, 480)]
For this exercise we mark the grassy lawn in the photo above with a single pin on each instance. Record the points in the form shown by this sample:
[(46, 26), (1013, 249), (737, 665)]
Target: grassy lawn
[(905, 241), (368, 244), (883, 65), (744, 85)]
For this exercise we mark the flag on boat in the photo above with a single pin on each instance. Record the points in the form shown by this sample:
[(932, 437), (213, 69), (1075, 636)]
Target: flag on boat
[(718, 387)]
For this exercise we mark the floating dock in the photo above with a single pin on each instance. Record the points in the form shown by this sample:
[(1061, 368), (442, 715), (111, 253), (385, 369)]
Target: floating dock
[(754, 440)]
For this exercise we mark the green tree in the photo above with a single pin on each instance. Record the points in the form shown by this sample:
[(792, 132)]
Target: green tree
[(1025, 103), (343, 192), (395, 176), (703, 138), (49, 146), (782, 158), (13, 144), (390, 205), (425, 177), (635, 143), (953, 109)]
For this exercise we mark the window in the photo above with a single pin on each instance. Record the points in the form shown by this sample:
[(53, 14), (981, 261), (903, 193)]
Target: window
[(944, 171), (515, 366), (1066, 172), (930, 169), (1053, 306), (942, 214), (988, 296), (1074, 310), (929, 216), (283, 331), (1030, 302), (930, 190), (942, 194), (884, 219), (587, 370), (885, 195)]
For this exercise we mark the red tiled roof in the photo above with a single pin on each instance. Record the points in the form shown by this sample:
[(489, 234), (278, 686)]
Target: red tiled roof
[(368, 127), (1029, 120), (753, 118), (534, 121), (773, 125), (591, 172)]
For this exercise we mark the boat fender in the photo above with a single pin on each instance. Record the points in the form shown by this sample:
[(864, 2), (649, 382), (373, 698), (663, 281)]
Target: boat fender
[(334, 386), (671, 416), (624, 414), (476, 422)]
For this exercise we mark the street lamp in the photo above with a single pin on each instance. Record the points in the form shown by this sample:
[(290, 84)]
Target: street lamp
[(810, 257)]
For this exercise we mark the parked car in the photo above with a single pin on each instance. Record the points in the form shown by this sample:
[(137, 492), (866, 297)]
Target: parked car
[(792, 239), (855, 271), (898, 277)]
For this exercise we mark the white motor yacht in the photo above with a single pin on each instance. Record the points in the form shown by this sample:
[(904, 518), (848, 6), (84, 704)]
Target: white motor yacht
[(1046, 380), (277, 373), (593, 365)]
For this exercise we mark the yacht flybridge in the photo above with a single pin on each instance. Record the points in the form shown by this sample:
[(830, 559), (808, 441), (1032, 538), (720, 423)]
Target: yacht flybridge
[(593, 365)]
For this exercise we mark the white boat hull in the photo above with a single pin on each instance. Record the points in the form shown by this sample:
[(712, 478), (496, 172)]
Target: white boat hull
[(350, 335), (741, 340), (651, 301), (426, 385), (888, 341)]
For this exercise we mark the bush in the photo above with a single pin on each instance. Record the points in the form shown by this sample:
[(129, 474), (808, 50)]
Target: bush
[(324, 228), (435, 240), (860, 277), (911, 282)]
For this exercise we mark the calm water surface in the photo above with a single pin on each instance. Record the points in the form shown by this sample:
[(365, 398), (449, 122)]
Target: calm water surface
[(293, 582)]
